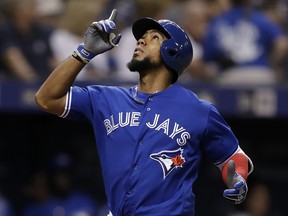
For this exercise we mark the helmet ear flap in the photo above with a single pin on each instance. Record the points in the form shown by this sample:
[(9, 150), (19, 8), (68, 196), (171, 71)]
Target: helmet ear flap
[(169, 53)]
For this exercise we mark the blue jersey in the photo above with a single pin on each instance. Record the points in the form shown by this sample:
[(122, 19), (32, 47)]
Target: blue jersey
[(150, 145), (244, 36)]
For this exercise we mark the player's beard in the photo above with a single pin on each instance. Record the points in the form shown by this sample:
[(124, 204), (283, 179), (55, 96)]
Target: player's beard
[(143, 65)]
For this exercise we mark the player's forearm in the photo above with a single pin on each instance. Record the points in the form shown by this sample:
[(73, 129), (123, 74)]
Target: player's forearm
[(243, 165), (51, 95), (235, 172)]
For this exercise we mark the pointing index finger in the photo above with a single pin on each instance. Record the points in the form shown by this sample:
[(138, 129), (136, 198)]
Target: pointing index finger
[(113, 15)]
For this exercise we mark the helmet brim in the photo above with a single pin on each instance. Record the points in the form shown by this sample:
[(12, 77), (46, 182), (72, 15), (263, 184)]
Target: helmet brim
[(142, 25)]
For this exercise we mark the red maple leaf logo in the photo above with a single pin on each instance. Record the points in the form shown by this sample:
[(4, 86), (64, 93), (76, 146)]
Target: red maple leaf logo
[(178, 160)]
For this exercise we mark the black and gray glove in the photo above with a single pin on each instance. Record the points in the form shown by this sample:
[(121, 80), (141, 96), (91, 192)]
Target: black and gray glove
[(238, 188), (98, 38)]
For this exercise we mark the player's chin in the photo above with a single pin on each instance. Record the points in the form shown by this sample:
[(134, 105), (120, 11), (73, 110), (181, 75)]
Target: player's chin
[(137, 56), (134, 64)]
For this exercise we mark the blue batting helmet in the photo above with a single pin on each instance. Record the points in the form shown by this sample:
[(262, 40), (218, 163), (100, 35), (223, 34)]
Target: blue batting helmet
[(176, 51)]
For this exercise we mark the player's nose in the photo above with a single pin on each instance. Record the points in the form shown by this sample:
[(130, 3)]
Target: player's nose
[(141, 41)]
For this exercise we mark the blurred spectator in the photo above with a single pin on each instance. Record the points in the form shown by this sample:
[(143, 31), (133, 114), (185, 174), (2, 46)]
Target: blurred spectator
[(5, 207), (122, 55), (76, 16), (125, 9), (25, 53), (48, 12), (63, 199), (216, 7), (258, 203), (193, 16), (36, 193), (195, 21), (277, 11), (245, 46)]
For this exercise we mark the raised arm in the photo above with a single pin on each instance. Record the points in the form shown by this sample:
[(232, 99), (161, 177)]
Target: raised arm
[(51, 96)]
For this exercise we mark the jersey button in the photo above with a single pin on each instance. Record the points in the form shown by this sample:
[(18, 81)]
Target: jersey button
[(140, 143), (150, 99), (136, 167), (130, 192), (148, 109)]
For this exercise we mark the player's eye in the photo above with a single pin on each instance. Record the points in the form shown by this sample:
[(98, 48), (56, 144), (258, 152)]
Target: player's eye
[(156, 37)]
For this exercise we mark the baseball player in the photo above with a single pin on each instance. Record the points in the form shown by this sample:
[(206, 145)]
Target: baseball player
[(151, 137)]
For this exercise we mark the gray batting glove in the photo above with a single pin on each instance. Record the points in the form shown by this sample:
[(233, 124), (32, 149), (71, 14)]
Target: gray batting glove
[(99, 38), (237, 185)]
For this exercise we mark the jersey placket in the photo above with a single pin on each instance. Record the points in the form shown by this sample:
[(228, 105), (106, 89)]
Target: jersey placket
[(131, 185)]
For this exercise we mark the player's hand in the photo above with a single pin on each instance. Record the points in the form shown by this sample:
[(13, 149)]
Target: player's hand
[(238, 189), (99, 38)]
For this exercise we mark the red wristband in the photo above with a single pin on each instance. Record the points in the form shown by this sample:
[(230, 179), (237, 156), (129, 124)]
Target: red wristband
[(241, 166)]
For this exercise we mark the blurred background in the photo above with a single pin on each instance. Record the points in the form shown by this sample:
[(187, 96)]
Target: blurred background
[(49, 166)]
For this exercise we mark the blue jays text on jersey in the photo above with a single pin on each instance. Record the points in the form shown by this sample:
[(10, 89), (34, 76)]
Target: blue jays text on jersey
[(150, 145), (132, 120)]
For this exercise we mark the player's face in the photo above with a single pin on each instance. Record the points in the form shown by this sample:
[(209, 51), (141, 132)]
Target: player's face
[(147, 52)]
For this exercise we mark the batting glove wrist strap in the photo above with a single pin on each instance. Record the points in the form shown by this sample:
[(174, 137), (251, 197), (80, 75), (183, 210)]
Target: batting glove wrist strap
[(82, 55)]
